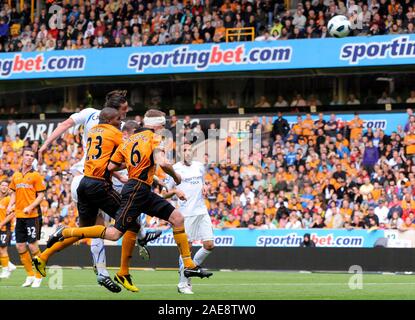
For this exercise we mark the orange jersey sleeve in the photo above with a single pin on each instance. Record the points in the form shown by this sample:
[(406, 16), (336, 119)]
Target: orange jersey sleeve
[(4, 203), (102, 141), (12, 184), (38, 182)]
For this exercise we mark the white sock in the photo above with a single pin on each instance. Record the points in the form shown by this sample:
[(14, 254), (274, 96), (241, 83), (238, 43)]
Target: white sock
[(182, 278), (200, 256), (98, 254), (142, 232)]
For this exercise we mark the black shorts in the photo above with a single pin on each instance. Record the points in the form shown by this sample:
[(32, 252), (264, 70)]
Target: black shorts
[(137, 198), (28, 229), (5, 238), (95, 194)]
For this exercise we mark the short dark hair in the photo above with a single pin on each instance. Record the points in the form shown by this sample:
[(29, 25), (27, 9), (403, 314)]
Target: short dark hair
[(130, 126), (115, 99), (107, 114), (27, 149)]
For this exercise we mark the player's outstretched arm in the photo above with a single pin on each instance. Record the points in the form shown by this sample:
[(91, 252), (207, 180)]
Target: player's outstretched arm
[(114, 166), (180, 194), (165, 165), (159, 182), (122, 177), (12, 201), (60, 129)]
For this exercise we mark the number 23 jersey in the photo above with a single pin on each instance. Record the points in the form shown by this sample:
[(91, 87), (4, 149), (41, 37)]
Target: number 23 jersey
[(102, 141)]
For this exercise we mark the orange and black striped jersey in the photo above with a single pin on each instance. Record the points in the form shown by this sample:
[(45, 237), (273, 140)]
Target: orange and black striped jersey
[(137, 153), (102, 141), (26, 188), (4, 203)]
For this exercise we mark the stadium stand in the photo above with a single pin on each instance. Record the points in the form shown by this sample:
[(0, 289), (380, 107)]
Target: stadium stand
[(103, 24)]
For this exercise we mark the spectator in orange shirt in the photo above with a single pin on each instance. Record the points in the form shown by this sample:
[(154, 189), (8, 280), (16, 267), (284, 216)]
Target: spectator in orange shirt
[(356, 127), (409, 142), (308, 126), (298, 127), (196, 38), (228, 7), (231, 222), (219, 31)]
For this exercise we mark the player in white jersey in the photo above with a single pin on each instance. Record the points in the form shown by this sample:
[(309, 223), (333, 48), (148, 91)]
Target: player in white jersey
[(197, 221), (89, 117)]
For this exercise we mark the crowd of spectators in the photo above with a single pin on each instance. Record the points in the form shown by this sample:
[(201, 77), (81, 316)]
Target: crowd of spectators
[(312, 100), (298, 100), (292, 102), (83, 24), (319, 174), (311, 174)]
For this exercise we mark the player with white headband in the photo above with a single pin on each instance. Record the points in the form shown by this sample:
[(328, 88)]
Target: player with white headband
[(89, 117), (155, 121)]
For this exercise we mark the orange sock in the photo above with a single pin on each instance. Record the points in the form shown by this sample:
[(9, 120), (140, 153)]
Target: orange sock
[(36, 253), (128, 244), (4, 260), (183, 245), (87, 232), (27, 263), (58, 246)]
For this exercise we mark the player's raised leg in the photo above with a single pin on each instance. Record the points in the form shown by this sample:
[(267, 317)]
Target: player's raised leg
[(127, 213), (40, 261)]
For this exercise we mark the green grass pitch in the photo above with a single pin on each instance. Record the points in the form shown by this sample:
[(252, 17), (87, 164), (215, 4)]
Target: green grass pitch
[(80, 284)]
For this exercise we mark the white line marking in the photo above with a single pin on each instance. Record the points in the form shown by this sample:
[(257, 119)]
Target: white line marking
[(240, 284)]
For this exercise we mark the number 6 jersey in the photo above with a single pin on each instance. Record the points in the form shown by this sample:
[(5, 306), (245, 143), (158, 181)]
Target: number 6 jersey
[(137, 153)]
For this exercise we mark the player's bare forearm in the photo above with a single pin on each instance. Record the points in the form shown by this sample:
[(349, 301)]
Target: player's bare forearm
[(159, 182), (8, 218), (11, 202), (175, 192), (60, 129), (36, 203), (168, 194), (165, 165), (121, 177), (115, 166), (168, 168)]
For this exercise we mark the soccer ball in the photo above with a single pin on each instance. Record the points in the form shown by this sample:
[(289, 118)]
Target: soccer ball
[(339, 26)]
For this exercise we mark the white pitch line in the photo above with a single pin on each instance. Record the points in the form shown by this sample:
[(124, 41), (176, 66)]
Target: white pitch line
[(241, 284)]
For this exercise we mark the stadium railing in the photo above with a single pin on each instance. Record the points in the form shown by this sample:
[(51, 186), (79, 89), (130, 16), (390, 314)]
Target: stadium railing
[(239, 34)]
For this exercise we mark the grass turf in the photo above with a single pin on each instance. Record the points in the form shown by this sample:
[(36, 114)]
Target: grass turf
[(80, 284)]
